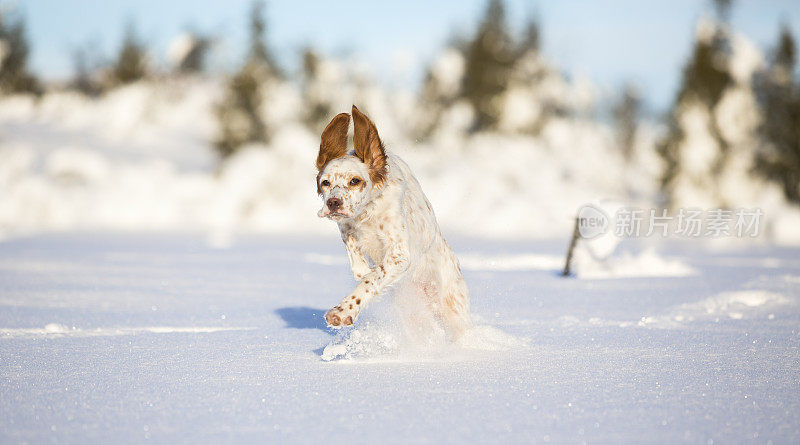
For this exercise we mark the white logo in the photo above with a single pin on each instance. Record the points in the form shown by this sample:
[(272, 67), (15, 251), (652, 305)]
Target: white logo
[(592, 222)]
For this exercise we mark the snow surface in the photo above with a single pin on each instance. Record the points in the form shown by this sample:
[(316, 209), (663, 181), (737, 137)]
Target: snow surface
[(123, 337)]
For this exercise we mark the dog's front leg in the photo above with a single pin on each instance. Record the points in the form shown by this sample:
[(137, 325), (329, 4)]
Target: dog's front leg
[(394, 265), (358, 264)]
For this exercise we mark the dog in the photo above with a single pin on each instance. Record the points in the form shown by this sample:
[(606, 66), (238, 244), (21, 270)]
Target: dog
[(388, 227)]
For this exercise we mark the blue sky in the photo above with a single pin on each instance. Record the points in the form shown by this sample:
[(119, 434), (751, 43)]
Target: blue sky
[(610, 41)]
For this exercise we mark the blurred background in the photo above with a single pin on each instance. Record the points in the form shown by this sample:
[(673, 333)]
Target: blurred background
[(205, 116)]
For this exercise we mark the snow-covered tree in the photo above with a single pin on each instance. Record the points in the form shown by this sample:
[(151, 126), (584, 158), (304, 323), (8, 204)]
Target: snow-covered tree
[(131, 62), (626, 120), (86, 79), (709, 152), (489, 61), (723, 9), (441, 89), (694, 150), (240, 114), (495, 82), (531, 38), (15, 77), (779, 155), (188, 52), (316, 93), (260, 53), (536, 91)]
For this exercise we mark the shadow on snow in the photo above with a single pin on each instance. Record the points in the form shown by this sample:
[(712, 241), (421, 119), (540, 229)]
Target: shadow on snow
[(303, 317)]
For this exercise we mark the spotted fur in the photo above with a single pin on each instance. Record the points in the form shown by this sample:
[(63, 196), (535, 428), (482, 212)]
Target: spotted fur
[(388, 228)]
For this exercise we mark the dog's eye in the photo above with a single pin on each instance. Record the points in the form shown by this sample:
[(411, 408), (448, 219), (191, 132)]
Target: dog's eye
[(325, 183), (355, 181)]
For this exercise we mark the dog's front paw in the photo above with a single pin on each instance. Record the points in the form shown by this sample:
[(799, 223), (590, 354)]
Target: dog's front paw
[(341, 316)]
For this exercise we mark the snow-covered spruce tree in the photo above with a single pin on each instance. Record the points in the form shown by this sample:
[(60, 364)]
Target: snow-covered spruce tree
[(240, 113), (188, 52), (778, 158), (525, 104), (537, 92), (489, 61), (710, 149), (498, 78), (131, 62), (15, 76), (693, 150), (441, 89), (626, 120), (530, 92), (316, 94), (85, 79), (531, 38)]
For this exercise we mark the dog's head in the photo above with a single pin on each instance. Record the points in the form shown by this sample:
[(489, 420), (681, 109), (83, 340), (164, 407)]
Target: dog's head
[(348, 182)]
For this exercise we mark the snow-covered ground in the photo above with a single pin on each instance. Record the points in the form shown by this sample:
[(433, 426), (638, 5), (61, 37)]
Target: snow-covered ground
[(124, 337)]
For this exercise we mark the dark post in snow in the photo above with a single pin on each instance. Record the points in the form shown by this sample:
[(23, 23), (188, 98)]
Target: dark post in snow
[(572, 244)]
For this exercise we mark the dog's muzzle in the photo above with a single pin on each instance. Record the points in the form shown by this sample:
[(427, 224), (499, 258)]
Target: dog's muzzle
[(334, 205)]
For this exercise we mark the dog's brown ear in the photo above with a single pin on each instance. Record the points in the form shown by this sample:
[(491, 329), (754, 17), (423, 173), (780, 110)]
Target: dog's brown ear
[(368, 146), (334, 140)]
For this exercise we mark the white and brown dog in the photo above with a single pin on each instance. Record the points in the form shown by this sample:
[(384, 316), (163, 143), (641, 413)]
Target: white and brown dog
[(387, 225)]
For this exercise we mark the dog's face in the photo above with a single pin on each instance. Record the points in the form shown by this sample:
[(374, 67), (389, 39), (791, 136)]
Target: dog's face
[(345, 182), (345, 188)]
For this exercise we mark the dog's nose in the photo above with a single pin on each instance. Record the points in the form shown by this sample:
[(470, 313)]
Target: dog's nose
[(334, 204)]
